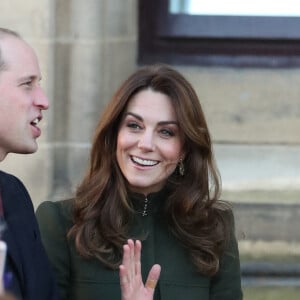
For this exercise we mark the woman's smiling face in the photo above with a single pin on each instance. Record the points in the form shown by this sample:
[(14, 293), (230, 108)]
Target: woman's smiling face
[(149, 143)]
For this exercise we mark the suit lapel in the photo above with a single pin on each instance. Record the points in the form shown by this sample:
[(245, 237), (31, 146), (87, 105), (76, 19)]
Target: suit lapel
[(12, 252), (12, 246)]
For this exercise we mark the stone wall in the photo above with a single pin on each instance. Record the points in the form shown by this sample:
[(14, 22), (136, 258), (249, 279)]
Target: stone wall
[(86, 48), (254, 117)]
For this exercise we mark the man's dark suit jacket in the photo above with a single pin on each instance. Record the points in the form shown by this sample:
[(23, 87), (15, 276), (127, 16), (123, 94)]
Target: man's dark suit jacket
[(28, 273)]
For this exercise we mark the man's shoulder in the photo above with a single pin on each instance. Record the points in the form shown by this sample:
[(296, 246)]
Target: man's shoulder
[(15, 196), (7, 178)]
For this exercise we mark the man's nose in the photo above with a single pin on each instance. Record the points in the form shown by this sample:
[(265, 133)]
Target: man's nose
[(40, 99)]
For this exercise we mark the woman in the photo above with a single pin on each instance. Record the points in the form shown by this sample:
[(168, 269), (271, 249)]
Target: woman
[(152, 177)]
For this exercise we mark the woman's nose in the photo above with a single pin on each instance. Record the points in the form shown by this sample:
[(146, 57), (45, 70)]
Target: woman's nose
[(146, 142)]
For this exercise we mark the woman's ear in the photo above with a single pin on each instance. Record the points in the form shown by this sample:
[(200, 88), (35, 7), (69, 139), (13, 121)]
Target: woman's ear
[(181, 166), (182, 155)]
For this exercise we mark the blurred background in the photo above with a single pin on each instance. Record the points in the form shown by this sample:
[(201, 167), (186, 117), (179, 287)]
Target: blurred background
[(243, 61)]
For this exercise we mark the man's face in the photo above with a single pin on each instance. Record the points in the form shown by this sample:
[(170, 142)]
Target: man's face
[(21, 98)]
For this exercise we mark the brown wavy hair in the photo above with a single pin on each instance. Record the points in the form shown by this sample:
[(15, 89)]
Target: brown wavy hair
[(102, 211)]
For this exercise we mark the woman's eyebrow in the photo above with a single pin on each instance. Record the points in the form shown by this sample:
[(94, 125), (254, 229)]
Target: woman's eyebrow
[(168, 123), (159, 123), (134, 115)]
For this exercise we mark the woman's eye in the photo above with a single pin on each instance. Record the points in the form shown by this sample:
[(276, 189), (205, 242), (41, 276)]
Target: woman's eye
[(133, 125), (167, 132)]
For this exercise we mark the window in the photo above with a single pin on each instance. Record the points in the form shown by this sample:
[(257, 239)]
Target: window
[(177, 36)]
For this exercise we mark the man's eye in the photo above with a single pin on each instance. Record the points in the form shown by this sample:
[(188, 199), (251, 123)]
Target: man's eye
[(27, 83)]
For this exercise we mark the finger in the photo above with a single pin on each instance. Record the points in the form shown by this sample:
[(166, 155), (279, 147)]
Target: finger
[(131, 266), (123, 276), (153, 277), (125, 267), (126, 256), (137, 257), (128, 262)]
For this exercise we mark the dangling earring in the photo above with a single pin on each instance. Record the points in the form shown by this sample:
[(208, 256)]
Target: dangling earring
[(181, 167)]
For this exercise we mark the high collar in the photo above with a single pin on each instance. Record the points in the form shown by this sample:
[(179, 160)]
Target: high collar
[(152, 203)]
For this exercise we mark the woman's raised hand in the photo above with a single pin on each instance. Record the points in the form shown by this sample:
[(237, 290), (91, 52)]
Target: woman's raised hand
[(132, 286)]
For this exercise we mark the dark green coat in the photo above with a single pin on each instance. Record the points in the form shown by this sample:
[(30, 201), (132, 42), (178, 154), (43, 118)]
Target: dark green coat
[(83, 279)]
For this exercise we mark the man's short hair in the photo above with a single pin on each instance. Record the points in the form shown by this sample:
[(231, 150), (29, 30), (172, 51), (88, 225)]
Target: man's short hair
[(5, 32)]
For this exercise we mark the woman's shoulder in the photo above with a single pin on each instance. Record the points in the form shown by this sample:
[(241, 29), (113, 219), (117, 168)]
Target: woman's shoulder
[(224, 214), (55, 210), (62, 205), (224, 208)]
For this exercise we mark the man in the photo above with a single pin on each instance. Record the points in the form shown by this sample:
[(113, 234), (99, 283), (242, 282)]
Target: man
[(27, 273)]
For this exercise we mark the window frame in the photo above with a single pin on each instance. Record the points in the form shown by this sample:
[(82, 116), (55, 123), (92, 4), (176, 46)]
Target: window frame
[(237, 41)]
